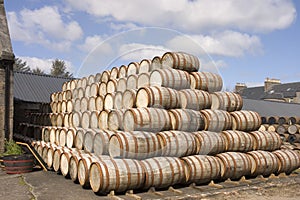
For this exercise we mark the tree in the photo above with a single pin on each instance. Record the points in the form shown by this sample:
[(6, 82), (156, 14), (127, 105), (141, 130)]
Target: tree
[(21, 66), (38, 71), (59, 69)]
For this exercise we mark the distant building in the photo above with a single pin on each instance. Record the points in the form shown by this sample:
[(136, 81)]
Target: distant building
[(273, 90)]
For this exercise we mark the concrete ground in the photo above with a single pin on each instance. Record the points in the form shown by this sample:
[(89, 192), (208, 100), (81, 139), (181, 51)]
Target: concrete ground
[(50, 185)]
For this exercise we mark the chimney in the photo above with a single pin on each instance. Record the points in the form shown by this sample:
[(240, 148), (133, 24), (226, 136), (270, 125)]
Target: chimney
[(270, 82), (239, 87)]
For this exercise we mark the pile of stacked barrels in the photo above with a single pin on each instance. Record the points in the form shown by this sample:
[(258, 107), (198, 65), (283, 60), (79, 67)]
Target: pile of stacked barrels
[(155, 124), (287, 127)]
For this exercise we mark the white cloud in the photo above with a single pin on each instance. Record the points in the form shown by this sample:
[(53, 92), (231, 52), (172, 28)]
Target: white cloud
[(91, 42), (44, 64), (196, 15), (123, 26), (43, 26), (227, 43)]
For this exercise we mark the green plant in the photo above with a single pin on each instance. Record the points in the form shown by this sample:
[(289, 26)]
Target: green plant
[(11, 148)]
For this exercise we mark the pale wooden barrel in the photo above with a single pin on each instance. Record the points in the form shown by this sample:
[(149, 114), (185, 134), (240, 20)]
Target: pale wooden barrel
[(70, 138), (238, 141), (228, 101), (206, 81), (293, 129), (60, 119), (171, 78), (87, 91), (76, 105), (245, 120), (46, 133), (289, 160), (50, 153), (64, 106), (145, 66), (52, 134), (80, 92), (122, 71), (92, 103), (70, 106), (129, 98), (53, 106), (69, 94), (56, 157), (146, 119), (216, 120), (78, 142), (109, 101), (57, 132), (62, 136), (75, 93), (293, 138), (294, 120), (273, 127), (84, 82), (88, 140), (116, 175), (91, 79), (155, 63), (180, 60), (105, 76), (45, 148), (85, 119), (60, 96), (177, 143), (131, 82), (101, 141), (114, 73), (73, 166), (263, 163), (64, 86), (84, 104), (133, 68), (111, 86), (143, 80), (94, 89), (98, 77), (84, 165), (134, 145), (263, 127), (159, 97), (118, 100), (202, 168), (121, 84), (53, 118), (58, 107), (76, 119), (283, 120), (102, 89), (115, 119), (99, 103), (94, 115), (186, 120), (266, 140), (103, 119), (194, 99), (162, 172), (234, 165), (210, 143), (65, 161)]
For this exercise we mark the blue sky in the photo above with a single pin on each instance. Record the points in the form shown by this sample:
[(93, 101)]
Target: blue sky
[(242, 40)]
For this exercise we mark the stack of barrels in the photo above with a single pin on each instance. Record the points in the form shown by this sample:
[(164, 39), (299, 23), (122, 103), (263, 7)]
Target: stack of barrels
[(155, 124), (287, 127)]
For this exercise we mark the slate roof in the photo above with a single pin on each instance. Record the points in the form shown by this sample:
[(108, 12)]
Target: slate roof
[(271, 108), (36, 88)]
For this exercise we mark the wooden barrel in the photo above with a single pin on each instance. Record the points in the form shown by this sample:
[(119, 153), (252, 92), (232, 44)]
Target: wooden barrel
[(70, 138), (78, 142), (273, 120), (70, 106), (84, 82), (103, 119), (234, 165), (263, 163), (76, 106), (273, 127), (52, 134), (60, 119), (122, 84), (133, 68), (293, 138), (99, 103), (109, 101), (293, 129), (98, 77), (180, 60), (87, 91), (115, 119), (88, 140), (84, 102), (117, 175), (264, 120), (171, 78), (53, 106), (46, 133), (92, 103), (80, 93), (238, 141), (56, 157), (194, 99), (50, 153), (186, 120), (134, 145), (73, 166), (76, 119), (62, 136), (131, 82), (143, 80), (281, 129), (65, 161), (177, 143), (289, 160), (114, 73), (245, 120), (210, 143), (91, 79), (85, 119), (118, 101), (111, 86), (64, 106), (202, 168), (155, 63), (94, 89), (101, 141), (216, 120), (145, 66), (57, 133), (283, 120), (206, 81), (84, 166), (159, 97), (18, 164), (129, 98), (94, 116), (266, 140), (263, 127), (122, 71), (228, 101), (146, 119), (102, 89), (53, 118), (105, 76), (162, 172)]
